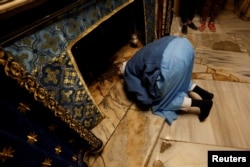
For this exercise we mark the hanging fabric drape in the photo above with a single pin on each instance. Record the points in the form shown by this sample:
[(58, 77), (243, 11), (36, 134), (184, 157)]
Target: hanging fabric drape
[(164, 17)]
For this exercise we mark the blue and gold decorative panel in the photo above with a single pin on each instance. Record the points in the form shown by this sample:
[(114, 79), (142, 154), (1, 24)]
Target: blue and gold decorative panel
[(46, 55), (35, 130)]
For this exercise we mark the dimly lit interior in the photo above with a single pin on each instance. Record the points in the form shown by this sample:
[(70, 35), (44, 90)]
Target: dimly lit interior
[(63, 105)]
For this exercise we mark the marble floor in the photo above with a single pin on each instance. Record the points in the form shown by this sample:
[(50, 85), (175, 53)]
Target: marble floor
[(137, 138)]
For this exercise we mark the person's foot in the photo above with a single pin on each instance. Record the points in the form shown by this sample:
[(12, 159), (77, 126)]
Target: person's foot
[(184, 29), (205, 107), (204, 94), (202, 26), (205, 110), (192, 26), (211, 26)]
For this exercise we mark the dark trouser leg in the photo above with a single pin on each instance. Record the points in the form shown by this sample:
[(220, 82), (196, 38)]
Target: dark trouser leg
[(187, 10), (206, 9), (216, 8)]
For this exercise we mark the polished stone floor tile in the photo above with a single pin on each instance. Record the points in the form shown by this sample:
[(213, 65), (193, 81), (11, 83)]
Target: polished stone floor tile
[(133, 140), (227, 62), (226, 125), (114, 106)]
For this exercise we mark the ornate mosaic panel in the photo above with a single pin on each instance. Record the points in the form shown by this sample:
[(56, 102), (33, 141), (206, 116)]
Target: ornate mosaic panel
[(44, 54), (34, 125)]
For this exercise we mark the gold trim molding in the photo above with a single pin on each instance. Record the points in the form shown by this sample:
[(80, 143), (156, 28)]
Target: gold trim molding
[(13, 70)]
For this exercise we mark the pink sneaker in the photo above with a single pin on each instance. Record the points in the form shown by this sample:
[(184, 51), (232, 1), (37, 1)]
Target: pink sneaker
[(211, 26)]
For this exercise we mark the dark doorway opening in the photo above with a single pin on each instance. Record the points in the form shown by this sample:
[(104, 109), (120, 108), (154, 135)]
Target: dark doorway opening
[(94, 53)]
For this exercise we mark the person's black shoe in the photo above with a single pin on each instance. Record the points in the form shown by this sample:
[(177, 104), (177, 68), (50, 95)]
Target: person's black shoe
[(184, 29), (193, 26)]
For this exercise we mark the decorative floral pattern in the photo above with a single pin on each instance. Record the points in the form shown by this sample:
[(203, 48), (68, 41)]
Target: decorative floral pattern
[(43, 54), (15, 71)]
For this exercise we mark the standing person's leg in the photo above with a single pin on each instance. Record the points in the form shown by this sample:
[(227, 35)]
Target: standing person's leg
[(205, 13), (187, 12), (191, 9), (183, 15), (215, 9)]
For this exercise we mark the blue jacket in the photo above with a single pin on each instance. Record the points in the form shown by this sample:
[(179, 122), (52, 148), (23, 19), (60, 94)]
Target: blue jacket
[(143, 69)]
